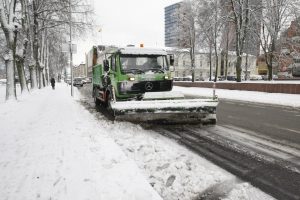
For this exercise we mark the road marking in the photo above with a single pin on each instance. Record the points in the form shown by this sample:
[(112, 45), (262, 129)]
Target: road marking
[(229, 102), (290, 130), (256, 106), (232, 117), (292, 111), (282, 128)]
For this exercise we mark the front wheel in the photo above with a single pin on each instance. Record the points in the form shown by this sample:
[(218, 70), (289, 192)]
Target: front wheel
[(108, 105), (96, 100)]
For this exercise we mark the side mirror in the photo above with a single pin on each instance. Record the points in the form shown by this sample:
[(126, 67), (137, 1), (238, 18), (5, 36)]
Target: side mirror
[(172, 60), (106, 65)]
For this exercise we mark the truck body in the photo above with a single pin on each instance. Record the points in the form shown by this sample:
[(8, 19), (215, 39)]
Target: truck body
[(135, 84)]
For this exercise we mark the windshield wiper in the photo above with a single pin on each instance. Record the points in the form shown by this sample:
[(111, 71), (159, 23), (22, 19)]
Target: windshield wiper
[(134, 70), (156, 70)]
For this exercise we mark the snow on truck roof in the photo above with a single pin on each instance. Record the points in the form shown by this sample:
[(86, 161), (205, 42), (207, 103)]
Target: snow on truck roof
[(131, 50), (142, 51)]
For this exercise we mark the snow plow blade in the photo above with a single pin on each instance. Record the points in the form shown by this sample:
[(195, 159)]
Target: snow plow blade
[(174, 111)]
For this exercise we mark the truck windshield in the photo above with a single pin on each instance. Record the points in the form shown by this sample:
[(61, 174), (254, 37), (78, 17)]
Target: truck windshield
[(143, 63)]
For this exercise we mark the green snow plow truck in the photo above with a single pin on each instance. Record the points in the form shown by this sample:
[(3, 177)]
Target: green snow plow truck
[(135, 84)]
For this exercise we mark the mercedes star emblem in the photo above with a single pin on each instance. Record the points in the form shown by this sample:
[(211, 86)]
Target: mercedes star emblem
[(148, 86)]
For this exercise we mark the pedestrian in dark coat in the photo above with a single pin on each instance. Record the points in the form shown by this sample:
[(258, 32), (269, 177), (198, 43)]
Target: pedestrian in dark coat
[(52, 83)]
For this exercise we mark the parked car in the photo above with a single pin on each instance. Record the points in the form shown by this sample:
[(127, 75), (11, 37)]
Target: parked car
[(199, 79), (221, 78), (231, 78), (275, 77), (78, 82), (264, 77), (255, 77), (88, 80), (176, 79), (187, 78), (68, 81)]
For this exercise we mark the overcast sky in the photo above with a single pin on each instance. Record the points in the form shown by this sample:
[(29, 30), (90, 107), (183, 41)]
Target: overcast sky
[(125, 22)]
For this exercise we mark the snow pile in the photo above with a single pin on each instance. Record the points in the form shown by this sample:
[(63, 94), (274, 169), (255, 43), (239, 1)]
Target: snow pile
[(250, 96), (174, 171), (51, 148)]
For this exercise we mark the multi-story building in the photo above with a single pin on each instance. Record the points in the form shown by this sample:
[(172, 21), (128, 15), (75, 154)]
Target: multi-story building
[(79, 71), (182, 65), (172, 25)]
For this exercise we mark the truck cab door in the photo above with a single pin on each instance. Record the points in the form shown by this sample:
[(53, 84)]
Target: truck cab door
[(113, 67)]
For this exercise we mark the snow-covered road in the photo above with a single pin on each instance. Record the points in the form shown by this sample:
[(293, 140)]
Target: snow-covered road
[(51, 147)]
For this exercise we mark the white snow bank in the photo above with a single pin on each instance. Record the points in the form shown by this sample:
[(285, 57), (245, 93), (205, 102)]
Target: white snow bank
[(259, 97), (174, 171), (52, 148)]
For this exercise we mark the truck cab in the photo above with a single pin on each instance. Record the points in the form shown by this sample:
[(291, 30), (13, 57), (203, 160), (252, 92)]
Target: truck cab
[(134, 71)]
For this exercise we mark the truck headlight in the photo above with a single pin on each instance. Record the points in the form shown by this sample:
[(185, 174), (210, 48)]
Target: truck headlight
[(131, 78)]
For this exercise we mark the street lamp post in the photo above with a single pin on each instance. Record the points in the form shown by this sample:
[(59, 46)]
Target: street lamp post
[(71, 55)]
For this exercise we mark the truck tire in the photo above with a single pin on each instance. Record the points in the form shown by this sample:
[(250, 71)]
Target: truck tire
[(213, 121), (96, 100), (109, 108)]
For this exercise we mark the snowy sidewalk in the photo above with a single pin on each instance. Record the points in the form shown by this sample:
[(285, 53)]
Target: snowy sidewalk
[(50, 148)]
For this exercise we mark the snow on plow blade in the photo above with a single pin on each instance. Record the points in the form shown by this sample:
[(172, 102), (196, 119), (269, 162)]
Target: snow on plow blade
[(167, 111)]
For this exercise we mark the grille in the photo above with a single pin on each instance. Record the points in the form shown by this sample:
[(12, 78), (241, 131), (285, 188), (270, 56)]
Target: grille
[(152, 86)]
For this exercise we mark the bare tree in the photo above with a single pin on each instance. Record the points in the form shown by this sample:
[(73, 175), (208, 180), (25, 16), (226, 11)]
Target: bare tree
[(187, 31), (240, 11), (28, 32), (276, 14), (7, 20), (210, 23), (22, 45)]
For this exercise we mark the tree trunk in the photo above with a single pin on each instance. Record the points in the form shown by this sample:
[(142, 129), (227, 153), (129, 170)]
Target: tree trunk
[(226, 53), (32, 75), (238, 68), (21, 74), (19, 61), (193, 66), (226, 65), (41, 77), (217, 61), (246, 74), (47, 64), (210, 59), (10, 76), (270, 68), (270, 64), (35, 47)]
